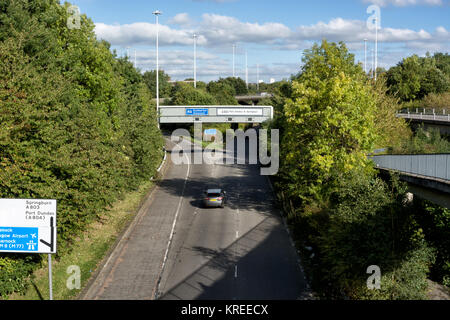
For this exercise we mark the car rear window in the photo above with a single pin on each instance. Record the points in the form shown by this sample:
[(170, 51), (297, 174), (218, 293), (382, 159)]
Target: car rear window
[(213, 195)]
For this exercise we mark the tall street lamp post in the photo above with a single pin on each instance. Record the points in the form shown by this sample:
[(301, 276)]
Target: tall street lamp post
[(157, 13), (376, 47), (234, 49), (195, 60), (365, 55), (246, 69)]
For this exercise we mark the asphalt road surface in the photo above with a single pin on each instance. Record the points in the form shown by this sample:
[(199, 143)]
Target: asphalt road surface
[(176, 249)]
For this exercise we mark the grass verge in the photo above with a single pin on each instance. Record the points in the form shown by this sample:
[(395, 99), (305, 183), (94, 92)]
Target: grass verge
[(87, 251)]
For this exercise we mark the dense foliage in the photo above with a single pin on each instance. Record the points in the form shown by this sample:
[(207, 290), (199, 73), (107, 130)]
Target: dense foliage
[(423, 142), (439, 102), (223, 92), (391, 131), (186, 94), (434, 220), (415, 77), (329, 122), (165, 87), (78, 124), (237, 84), (366, 222), (345, 218)]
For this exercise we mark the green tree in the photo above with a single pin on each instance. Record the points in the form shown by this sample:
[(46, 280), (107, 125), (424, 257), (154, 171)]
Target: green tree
[(415, 77), (186, 94), (404, 79), (222, 92), (238, 84), (435, 222), (391, 130), (329, 122), (77, 123), (165, 87), (369, 224), (142, 139), (443, 62)]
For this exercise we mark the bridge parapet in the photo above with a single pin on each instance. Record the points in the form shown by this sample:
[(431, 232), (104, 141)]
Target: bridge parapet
[(435, 166), (215, 114), (424, 114)]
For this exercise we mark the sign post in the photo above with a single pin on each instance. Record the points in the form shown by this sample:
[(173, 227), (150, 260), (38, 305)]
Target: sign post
[(50, 284), (29, 226)]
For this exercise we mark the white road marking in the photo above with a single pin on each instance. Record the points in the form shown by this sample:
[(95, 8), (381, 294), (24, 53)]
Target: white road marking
[(237, 232), (174, 223)]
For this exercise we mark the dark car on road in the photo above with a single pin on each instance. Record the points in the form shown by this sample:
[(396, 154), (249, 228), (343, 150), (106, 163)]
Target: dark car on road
[(214, 198)]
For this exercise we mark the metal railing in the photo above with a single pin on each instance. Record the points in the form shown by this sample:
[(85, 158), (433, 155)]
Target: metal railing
[(425, 114), (435, 166)]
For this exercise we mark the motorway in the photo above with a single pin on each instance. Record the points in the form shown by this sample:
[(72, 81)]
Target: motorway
[(176, 249)]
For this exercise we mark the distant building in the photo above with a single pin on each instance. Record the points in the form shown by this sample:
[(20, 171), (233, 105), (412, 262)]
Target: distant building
[(272, 80)]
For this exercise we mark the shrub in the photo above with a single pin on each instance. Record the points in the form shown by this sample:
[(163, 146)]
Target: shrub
[(14, 273), (329, 123), (405, 279), (78, 124), (366, 223), (427, 141), (435, 222), (437, 101), (186, 94)]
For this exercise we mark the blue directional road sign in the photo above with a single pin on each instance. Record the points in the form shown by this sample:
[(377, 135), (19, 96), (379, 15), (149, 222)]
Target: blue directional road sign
[(196, 111), (210, 131), (28, 225), (19, 239)]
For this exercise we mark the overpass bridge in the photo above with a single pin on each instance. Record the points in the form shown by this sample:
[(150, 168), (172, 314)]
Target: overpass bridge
[(215, 114), (252, 99), (428, 175), (428, 117)]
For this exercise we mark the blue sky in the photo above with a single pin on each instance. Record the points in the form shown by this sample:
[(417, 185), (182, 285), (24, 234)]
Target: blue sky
[(273, 33)]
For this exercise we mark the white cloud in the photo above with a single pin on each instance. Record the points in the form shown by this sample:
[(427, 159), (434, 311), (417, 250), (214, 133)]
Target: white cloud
[(355, 31), (336, 30), (218, 32), (214, 30), (181, 19), (174, 57), (179, 64), (143, 33), (438, 41)]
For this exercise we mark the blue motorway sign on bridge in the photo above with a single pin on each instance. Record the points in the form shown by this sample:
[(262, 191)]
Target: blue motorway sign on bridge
[(17, 239), (215, 114), (197, 111), (210, 131)]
